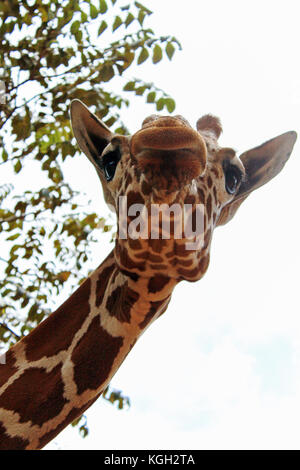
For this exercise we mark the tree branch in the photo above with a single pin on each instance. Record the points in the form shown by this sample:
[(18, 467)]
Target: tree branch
[(19, 217), (3, 325)]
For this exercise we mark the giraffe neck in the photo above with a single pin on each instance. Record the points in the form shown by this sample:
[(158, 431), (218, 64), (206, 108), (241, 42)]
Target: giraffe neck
[(56, 372)]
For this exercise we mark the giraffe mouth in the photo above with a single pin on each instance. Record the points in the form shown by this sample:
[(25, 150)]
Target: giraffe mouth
[(171, 151)]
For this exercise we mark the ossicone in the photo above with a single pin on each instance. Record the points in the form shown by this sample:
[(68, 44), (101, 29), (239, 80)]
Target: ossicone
[(211, 124)]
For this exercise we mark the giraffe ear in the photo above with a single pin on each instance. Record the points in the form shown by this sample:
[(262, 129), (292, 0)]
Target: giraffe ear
[(91, 133), (92, 136), (261, 164)]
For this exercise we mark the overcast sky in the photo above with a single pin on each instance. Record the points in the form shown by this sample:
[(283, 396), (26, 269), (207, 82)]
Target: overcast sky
[(221, 368)]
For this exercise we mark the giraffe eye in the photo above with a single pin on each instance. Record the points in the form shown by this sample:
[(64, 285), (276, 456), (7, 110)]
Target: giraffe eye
[(233, 178), (109, 163)]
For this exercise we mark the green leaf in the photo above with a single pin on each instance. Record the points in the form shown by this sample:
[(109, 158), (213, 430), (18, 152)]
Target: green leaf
[(143, 56), (110, 121), (93, 11), (140, 90), (129, 19), (160, 104), (157, 54), (141, 17), (83, 431), (4, 155), (170, 49), (142, 7), (107, 73), (120, 130), (170, 104), (63, 276), (75, 27), (102, 27), (102, 6), (13, 237), (78, 36), (84, 17), (151, 97), (33, 310), (55, 174), (128, 59), (44, 14), (117, 23), (27, 19), (18, 166), (21, 125), (130, 86)]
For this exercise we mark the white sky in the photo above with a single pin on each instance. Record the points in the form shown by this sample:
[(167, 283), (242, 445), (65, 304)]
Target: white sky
[(221, 368)]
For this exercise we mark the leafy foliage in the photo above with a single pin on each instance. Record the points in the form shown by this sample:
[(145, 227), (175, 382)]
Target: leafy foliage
[(53, 51)]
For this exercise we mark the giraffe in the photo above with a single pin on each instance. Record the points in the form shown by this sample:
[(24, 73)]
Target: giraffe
[(51, 376)]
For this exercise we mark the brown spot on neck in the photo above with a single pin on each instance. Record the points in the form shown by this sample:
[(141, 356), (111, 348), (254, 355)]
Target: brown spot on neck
[(157, 283), (11, 443), (124, 260), (51, 336), (18, 396), (93, 357), (120, 302), (134, 244), (72, 415), (209, 206), (157, 245), (201, 195)]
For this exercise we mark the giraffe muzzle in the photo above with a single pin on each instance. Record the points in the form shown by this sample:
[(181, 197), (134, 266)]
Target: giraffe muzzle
[(177, 147)]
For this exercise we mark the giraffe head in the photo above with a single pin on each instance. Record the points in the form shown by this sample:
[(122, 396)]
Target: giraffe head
[(171, 186)]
